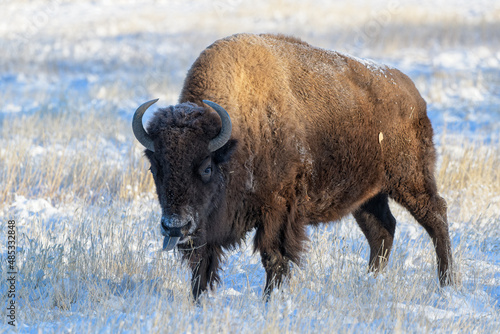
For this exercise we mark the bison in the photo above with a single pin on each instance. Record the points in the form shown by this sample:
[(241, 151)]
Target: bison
[(305, 136)]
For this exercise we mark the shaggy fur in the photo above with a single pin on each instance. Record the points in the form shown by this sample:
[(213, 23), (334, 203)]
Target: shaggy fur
[(316, 135)]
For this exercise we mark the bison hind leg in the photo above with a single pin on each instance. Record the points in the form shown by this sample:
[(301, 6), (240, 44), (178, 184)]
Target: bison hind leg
[(429, 209), (378, 225)]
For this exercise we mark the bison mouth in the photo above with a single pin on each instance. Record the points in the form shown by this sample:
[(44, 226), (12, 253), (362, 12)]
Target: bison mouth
[(174, 235), (170, 242)]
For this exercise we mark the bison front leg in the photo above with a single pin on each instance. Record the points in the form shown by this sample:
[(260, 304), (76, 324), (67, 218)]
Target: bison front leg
[(278, 246), (378, 225), (277, 269), (204, 263)]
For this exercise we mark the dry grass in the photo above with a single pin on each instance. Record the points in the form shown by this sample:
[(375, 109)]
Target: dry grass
[(70, 154), (469, 176)]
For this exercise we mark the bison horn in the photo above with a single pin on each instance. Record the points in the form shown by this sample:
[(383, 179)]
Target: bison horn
[(139, 132), (225, 130)]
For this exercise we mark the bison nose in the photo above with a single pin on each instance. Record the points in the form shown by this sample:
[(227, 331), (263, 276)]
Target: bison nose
[(173, 221), (172, 231)]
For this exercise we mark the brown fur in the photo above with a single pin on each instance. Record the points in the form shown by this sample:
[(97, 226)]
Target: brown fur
[(305, 149)]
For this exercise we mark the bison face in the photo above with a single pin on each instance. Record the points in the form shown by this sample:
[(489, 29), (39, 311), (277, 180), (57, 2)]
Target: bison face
[(187, 146)]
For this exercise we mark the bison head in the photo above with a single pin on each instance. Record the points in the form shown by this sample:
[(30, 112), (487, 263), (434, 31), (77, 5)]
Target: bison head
[(187, 146)]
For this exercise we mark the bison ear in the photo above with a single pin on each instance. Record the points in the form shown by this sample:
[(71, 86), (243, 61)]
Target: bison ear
[(224, 153)]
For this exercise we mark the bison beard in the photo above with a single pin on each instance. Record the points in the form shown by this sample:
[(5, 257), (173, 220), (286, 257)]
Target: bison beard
[(305, 136)]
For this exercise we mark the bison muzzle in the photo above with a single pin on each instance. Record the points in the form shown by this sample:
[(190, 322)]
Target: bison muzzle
[(300, 136)]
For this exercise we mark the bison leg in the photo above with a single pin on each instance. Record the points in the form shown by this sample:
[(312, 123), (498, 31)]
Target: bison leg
[(278, 246), (204, 264), (429, 209), (378, 225), (277, 268)]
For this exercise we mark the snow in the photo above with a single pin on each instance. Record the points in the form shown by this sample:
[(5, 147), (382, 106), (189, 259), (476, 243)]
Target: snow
[(24, 208), (369, 64), (90, 260)]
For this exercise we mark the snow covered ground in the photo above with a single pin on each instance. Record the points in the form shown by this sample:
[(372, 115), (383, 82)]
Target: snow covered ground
[(74, 180)]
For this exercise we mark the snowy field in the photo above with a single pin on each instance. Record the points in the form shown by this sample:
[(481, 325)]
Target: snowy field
[(74, 180)]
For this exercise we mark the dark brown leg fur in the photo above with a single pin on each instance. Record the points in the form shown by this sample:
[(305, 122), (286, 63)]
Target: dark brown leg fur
[(204, 264), (277, 249), (418, 194), (277, 269), (378, 225)]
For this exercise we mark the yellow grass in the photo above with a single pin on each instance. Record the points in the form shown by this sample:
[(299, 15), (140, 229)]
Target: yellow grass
[(72, 160)]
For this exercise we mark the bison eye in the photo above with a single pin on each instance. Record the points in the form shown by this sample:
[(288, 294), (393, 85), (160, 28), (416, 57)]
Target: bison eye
[(205, 170)]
